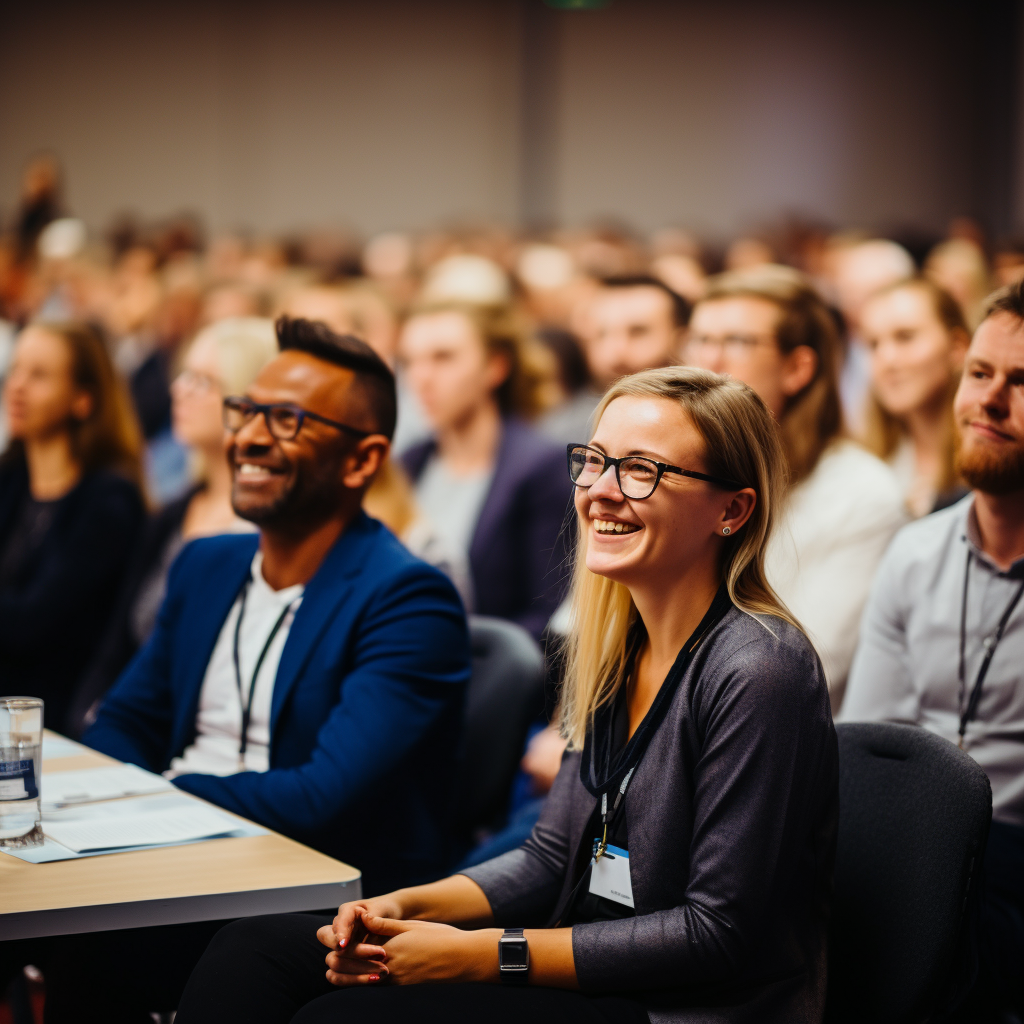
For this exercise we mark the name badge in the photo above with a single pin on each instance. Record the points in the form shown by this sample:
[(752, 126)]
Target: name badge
[(609, 877)]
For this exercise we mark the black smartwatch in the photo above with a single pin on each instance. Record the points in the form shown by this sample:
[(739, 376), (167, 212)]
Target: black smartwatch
[(513, 957)]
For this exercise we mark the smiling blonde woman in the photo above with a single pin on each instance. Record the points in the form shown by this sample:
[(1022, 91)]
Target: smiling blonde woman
[(681, 870)]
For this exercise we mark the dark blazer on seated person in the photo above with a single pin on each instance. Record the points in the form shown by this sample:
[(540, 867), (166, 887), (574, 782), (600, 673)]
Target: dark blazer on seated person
[(518, 555), (731, 818), (60, 581), (366, 710)]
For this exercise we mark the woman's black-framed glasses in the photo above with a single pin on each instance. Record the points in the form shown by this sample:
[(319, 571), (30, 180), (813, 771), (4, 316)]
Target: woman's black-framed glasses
[(636, 476), (284, 420)]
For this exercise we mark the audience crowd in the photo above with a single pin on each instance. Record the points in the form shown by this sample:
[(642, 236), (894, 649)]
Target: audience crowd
[(202, 437)]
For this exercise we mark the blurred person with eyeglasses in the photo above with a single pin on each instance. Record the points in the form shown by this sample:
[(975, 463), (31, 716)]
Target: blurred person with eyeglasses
[(223, 360), (770, 329), (310, 677)]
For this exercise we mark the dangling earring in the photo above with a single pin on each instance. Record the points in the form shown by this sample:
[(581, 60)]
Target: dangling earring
[(726, 530)]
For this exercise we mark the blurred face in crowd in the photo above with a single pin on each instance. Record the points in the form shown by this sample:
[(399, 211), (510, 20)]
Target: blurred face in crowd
[(196, 397), (637, 542), (40, 395), (630, 329), (448, 367), (287, 484), (913, 354), (989, 408), (737, 336)]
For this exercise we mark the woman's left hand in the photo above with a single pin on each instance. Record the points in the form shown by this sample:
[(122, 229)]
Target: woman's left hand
[(424, 951)]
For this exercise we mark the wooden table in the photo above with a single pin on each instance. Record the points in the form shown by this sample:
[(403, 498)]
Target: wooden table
[(208, 881)]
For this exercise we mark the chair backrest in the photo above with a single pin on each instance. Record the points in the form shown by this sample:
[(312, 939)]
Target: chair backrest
[(914, 812), (506, 694)]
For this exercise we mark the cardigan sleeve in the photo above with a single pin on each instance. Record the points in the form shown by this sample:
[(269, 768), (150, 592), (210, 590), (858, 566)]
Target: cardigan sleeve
[(523, 885)]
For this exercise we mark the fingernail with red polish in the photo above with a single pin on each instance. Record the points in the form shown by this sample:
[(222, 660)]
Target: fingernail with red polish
[(374, 977)]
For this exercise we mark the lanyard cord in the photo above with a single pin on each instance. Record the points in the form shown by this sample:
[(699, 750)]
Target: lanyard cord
[(243, 740), (990, 643)]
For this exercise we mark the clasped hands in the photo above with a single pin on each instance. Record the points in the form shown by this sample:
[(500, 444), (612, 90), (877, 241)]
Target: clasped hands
[(371, 943)]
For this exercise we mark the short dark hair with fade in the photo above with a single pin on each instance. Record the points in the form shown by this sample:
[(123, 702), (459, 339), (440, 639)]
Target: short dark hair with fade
[(374, 378), (1009, 299), (681, 309)]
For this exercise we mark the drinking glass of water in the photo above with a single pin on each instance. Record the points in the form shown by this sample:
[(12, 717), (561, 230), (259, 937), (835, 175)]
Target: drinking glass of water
[(21, 761)]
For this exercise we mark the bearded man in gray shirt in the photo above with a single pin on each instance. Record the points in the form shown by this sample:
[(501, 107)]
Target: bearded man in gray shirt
[(942, 638)]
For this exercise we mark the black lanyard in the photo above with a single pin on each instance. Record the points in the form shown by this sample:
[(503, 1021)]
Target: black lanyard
[(635, 749), (990, 643), (243, 739)]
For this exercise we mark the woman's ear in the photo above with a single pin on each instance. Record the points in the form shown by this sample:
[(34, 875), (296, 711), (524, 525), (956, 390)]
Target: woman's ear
[(82, 406), (798, 369), (498, 370), (737, 511)]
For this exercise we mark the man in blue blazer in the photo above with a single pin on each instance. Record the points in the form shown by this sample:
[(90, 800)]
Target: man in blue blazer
[(311, 679)]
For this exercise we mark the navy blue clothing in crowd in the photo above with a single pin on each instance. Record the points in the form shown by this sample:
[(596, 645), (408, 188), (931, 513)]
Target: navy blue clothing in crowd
[(518, 557), (366, 710)]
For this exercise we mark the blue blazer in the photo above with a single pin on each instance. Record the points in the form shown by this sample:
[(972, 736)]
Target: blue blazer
[(367, 705), (518, 558)]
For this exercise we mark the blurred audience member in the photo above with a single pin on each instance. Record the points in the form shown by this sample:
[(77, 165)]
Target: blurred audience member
[(70, 509), (916, 336), (943, 633), (468, 278), (959, 266), (223, 360), (770, 329), (632, 323), (391, 500), (1008, 262), (491, 486), (859, 270), (40, 203), (747, 253)]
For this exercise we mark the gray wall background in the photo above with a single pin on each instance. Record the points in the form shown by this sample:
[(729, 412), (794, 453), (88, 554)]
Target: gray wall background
[(409, 113)]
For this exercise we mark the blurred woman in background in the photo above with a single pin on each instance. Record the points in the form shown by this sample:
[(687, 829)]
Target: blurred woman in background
[(223, 360), (916, 336), (770, 329), (70, 509), (491, 486)]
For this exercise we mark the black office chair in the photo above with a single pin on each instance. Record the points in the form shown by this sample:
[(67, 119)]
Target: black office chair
[(914, 813), (506, 694)]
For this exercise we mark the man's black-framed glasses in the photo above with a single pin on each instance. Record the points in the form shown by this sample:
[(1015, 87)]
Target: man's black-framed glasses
[(284, 420), (636, 476)]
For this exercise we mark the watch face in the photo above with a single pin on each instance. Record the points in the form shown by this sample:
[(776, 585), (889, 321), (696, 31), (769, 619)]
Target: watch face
[(513, 953)]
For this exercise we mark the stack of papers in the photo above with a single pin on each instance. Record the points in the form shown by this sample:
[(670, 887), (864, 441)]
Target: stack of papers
[(88, 785), (147, 829)]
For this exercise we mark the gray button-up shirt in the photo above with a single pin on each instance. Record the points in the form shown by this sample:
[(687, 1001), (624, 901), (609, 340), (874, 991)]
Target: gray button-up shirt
[(907, 665)]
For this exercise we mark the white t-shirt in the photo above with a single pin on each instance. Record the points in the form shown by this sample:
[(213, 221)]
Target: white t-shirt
[(823, 554), (452, 504), (219, 719)]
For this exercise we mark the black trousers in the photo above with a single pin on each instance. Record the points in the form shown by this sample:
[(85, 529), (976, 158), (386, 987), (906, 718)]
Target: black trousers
[(112, 977), (271, 970)]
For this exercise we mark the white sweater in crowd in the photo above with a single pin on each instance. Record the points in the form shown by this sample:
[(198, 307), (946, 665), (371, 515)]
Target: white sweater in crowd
[(832, 533)]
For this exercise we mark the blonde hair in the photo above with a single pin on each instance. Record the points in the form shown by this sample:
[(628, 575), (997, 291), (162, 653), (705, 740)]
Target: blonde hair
[(812, 419), (531, 386), (742, 443), (244, 344), (883, 431)]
